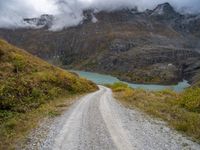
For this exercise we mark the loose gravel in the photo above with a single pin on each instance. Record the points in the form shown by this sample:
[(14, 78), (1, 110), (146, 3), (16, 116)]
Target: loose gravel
[(98, 122)]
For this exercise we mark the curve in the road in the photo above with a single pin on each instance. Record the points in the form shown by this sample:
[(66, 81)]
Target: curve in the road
[(98, 122)]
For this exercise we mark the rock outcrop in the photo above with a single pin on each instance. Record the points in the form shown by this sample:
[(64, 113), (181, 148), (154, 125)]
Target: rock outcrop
[(164, 11), (44, 21)]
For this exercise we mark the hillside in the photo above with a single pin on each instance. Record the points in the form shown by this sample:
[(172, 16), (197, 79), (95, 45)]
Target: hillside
[(143, 47), (27, 84), (180, 110)]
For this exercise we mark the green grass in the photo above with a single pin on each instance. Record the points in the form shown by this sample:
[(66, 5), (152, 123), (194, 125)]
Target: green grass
[(190, 99), (181, 111), (28, 89)]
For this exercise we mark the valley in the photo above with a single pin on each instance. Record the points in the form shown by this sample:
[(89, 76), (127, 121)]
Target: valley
[(101, 79), (139, 47), (83, 77)]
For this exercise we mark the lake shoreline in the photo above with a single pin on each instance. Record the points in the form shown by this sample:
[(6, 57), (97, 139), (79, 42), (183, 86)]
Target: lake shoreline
[(99, 78)]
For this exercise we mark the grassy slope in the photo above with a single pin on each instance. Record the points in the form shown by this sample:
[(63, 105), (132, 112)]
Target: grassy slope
[(181, 111), (28, 87)]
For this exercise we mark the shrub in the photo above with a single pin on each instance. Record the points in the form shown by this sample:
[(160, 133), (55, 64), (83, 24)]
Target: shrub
[(190, 99), (54, 92), (128, 92), (119, 86), (11, 123), (4, 115), (36, 93), (18, 63)]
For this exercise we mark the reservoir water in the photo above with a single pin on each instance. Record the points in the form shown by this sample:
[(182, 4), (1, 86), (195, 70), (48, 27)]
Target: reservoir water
[(108, 79)]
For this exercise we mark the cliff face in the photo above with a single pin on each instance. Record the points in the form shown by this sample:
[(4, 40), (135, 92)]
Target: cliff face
[(155, 46)]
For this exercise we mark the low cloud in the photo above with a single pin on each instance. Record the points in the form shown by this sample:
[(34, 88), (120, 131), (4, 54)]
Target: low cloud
[(69, 12)]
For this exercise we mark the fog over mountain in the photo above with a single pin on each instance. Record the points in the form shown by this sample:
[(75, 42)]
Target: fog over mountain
[(12, 12)]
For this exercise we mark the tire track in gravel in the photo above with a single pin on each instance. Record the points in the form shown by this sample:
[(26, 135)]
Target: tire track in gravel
[(98, 122)]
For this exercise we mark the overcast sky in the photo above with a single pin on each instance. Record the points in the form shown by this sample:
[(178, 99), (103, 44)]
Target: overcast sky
[(13, 11)]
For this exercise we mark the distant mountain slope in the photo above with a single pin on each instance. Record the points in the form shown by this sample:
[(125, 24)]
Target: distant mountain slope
[(154, 46)]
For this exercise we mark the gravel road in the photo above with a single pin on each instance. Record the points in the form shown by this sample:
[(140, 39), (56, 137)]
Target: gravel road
[(98, 122)]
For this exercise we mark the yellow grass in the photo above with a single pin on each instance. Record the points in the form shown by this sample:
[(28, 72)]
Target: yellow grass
[(181, 111), (29, 88)]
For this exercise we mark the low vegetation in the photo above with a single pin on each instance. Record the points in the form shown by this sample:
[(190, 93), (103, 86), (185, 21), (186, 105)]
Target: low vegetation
[(181, 111), (29, 89)]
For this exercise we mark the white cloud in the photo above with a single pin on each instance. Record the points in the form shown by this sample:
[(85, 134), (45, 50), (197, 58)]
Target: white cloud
[(69, 12), (13, 11)]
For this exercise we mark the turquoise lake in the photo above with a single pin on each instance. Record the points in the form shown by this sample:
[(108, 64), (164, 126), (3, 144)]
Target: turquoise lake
[(108, 79)]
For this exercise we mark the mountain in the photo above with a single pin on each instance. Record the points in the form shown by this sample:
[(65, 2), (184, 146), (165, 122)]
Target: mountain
[(155, 46), (165, 11), (44, 21)]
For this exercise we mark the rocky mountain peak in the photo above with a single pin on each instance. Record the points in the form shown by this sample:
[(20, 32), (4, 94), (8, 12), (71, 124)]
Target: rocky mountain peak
[(44, 20), (165, 10), (89, 15)]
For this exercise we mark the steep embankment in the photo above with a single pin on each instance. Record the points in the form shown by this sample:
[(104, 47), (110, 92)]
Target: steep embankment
[(28, 84), (181, 111)]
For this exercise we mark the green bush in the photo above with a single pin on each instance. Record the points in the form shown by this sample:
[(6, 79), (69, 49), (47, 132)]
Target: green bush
[(190, 99), (118, 86), (18, 63), (36, 93), (4, 115), (55, 92)]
